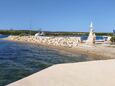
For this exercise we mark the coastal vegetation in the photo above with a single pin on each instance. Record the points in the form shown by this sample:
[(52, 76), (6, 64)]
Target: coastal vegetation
[(113, 39), (17, 32), (49, 33)]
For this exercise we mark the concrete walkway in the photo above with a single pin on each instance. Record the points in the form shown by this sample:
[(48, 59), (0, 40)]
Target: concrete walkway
[(93, 73)]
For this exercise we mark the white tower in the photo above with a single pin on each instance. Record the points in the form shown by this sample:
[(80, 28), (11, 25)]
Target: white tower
[(91, 37)]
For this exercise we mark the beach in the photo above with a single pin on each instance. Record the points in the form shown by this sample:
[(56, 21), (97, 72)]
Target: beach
[(96, 51)]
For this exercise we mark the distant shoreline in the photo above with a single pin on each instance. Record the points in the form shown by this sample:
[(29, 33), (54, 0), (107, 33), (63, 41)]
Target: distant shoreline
[(95, 52)]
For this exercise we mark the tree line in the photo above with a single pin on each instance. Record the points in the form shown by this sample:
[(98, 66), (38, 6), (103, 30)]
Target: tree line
[(49, 33), (17, 32)]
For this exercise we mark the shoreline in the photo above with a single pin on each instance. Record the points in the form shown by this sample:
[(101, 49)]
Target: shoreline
[(94, 52)]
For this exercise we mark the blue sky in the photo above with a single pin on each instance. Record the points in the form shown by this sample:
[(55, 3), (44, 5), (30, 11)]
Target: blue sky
[(58, 15)]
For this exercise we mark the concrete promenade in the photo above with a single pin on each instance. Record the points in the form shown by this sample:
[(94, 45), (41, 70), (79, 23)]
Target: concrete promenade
[(93, 73)]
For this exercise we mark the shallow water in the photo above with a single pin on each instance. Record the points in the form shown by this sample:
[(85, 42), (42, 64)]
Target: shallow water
[(18, 60)]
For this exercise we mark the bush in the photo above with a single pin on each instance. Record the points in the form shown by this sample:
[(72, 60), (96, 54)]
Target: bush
[(22, 34), (113, 39)]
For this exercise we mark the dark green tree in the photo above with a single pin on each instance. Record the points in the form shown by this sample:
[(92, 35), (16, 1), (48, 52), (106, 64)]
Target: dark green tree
[(113, 39)]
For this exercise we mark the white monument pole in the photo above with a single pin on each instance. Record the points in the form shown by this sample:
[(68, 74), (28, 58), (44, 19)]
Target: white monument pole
[(91, 37)]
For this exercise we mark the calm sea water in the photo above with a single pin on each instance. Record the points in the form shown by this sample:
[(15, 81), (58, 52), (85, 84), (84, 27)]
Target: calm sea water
[(18, 60), (97, 38)]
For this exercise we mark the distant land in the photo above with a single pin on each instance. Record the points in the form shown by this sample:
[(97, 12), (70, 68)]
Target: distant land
[(51, 33)]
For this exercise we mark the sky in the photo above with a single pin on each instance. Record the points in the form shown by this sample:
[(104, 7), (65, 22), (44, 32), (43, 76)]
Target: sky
[(58, 15)]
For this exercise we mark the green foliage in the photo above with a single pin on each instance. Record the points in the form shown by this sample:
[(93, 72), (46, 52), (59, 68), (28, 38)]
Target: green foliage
[(104, 34), (23, 34), (65, 33), (113, 39), (47, 33), (17, 32), (75, 34)]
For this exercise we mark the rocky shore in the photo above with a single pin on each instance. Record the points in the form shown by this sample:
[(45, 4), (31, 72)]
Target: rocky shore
[(68, 44)]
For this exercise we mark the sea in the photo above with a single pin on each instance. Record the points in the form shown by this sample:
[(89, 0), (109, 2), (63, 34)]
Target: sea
[(97, 38), (18, 60)]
